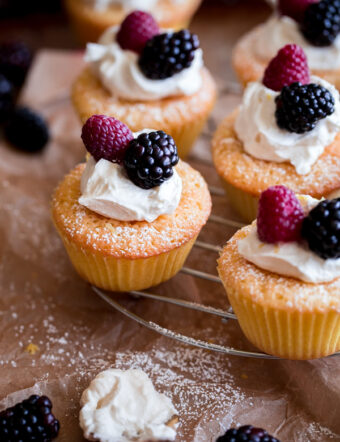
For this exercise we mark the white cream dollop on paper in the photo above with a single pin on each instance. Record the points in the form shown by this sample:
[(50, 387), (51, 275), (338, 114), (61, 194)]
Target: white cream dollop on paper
[(119, 72), (279, 30), (262, 138), (293, 259), (129, 5), (121, 406)]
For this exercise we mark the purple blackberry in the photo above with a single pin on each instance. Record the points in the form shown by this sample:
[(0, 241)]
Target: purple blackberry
[(26, 130), (149, 159), (321, 23), (29, 420), (321, 229), (167, 54), (299, 107), (15, 60), (6, 97), (247, 433)]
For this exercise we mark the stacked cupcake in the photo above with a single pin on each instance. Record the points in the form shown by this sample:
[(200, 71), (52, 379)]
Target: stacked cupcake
[(285, 132), (147, 78), (313, 25), (90, 18)]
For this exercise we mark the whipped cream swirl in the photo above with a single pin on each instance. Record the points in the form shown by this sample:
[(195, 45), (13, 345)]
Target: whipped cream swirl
[(120, 74), (129, 5), (262, 138), (278, 31), (293, 259), (121, 406)]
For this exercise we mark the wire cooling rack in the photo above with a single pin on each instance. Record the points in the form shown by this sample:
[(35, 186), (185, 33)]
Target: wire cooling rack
[(226, 315)]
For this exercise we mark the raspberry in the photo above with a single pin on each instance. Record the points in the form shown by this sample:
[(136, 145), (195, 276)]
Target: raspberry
[(299, 107), (150, 158), (15, 60), (280, 215), (294, 8), (137, 28), (289, 66), (321, 23), (247, 433), (6, 97), (26, 130), (321, 229), (167, 54), (106, 138), (29, 420)]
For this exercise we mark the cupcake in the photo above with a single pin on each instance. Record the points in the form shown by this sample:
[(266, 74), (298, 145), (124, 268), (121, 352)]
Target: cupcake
[(313, 25), (286, 131), (129, 217), (147, 79), (281, 275), (90, 18)]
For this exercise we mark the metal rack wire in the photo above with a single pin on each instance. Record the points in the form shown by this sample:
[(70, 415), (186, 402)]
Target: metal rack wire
[(225, 315)]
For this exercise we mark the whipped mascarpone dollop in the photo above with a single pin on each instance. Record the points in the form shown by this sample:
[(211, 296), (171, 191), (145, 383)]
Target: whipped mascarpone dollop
[(262, 138), (120, 74), (129, 5), (278, 31), (293, 259), (121, 406)]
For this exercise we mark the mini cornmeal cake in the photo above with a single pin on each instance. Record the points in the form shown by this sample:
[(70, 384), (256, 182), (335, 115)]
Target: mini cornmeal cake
[(282, 275), (90, 18), (147, 78), (130, 216), (286, 131), (313, 25)]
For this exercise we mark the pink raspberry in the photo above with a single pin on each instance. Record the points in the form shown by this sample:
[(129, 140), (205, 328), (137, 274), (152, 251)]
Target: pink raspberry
[(137, 28), (289, 66), (294, 8), (105, 137), (280, 215)]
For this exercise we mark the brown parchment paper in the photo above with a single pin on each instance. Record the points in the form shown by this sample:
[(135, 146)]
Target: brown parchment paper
[(75, 335)]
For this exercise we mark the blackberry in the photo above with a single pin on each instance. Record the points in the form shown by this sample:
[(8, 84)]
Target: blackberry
[(26, 130), (247, 433), (6, 97), (15, 60), (321, 23), (321, 229), (149, 159), (167, 54), (299, 107), (29, 420)]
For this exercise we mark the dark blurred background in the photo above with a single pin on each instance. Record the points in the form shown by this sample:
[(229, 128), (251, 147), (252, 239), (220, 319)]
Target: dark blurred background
[(42, 23)]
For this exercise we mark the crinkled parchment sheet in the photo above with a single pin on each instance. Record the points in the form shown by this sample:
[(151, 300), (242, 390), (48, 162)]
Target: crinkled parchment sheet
[(74, 335)]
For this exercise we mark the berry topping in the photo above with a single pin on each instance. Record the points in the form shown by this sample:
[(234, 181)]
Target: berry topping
[(106, 138), (247, 433), (167, 54), (321, 229), (137, 28), (6, 97), (279, 216), (29, 420), (289, 66), (27, 130), (321, 23), (299, 107), (15, 60), (150, 158), (294, 8)]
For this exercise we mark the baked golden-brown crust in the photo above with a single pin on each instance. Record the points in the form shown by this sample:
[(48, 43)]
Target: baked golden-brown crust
[(91, 23), (90, 97), (271, 289), (249, 67), (252, 175), (132, 240)]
